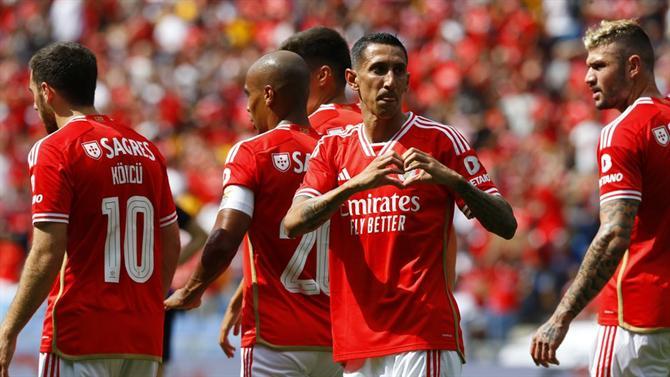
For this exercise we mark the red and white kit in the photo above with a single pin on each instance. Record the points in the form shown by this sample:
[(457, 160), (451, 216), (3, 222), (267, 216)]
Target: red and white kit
[(286, 280), (109, 184), (634, 153), (389, 292), (334, 118)]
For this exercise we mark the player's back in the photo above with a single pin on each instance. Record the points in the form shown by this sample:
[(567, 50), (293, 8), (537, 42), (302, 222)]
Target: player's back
[(286, 280), (109, 184), (334, 118), (634, 153)]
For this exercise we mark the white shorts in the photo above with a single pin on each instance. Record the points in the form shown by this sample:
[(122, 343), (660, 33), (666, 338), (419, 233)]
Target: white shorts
[(53, 366), (432, 363), (619, 352), (262, 361)]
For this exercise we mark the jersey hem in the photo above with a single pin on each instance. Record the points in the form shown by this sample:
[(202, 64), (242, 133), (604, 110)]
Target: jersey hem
[(379, 352)]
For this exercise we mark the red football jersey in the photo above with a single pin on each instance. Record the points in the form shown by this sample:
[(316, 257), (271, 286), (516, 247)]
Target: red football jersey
[(634, 155), (285, 280), (334, 117), (109, 184), (388, 285)]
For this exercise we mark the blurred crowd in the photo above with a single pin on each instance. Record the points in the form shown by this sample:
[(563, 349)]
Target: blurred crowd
[(509, 74)]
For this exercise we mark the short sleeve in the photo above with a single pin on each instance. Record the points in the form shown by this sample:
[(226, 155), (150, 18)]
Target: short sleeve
[(321, 175), (619, 167), (168, 210), (50, 183), (463, 159), (240, 168)]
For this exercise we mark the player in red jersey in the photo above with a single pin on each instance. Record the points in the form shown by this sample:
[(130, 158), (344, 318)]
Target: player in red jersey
[(103, 215), (285, 315), (387, 186), (327, 56), (629, 259)]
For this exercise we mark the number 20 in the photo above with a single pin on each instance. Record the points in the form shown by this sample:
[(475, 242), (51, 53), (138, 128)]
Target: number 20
[(289, 278), (139, 271)]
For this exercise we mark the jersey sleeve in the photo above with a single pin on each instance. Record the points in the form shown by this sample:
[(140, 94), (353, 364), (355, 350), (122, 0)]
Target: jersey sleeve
[(50, 183), (464, 160), (240, 168), (619, 166), (168, 210), (321, 175)]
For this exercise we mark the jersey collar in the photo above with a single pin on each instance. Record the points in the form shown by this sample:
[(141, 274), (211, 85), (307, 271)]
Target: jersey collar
[(387, 145)]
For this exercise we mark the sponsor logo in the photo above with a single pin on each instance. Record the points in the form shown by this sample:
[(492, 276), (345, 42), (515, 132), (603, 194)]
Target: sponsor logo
[(661, 135), (605, 163), (408, 174), (610, 178), (472, 165), (344, 175), (376, 205), (281, 161), (92, 149)]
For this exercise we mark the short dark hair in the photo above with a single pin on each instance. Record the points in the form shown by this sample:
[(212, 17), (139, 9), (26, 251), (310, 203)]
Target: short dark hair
[(629, 36), (68, 67), (321, 46), (375, 38)]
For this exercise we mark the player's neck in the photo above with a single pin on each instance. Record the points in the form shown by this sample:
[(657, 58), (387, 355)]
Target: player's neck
[(338, 97), (646, 88), (64, 116), (298, 118), (379, 130)]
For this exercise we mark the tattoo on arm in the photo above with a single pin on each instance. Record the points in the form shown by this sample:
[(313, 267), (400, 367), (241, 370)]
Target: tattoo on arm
[(492, 211), (603, 256)]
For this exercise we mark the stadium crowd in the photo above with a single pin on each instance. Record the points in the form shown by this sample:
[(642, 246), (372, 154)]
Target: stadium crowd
[(509, 74)]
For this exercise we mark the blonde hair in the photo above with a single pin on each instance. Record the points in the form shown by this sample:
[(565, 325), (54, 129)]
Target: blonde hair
[(627, 33)]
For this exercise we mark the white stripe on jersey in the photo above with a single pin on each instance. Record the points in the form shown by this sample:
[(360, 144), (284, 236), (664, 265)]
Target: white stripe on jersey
[(34, 151), (367, 149), (324, 106), (367, 146), (167, 220), (51, 214), (459, 142), (236, 147), (312, 193), (607, 132)]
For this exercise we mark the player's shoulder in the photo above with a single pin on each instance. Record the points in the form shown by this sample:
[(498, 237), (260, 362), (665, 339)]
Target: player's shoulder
[(59, 140), (434, 130), (265, 142), (629, 123), (338, 116)]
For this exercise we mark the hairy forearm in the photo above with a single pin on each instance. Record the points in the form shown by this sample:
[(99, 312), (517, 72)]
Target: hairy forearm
[(217, 255), (36, 281), (305, 216), (492, 211)]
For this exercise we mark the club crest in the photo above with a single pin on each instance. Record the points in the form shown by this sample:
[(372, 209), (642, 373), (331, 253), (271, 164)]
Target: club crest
[(281, 161), (92, 149), (661, 135)]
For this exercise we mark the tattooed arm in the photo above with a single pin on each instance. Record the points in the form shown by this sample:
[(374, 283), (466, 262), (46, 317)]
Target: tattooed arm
[(492, 211), (307, 214), (601, 260)]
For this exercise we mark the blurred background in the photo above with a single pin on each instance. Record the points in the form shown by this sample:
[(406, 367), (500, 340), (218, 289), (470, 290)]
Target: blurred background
[(509, 74)]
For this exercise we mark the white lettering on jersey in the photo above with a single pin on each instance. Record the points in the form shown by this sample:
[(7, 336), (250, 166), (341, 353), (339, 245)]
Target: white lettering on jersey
[(116, 147), (122, 174), (605, 163), (472, 165), (610, 178), (300, 163), (281, 161), (478, 180), (38, 198), (369, 214)]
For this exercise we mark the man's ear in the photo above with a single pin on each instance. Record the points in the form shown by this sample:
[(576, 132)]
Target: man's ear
[(634, 66), (47, 92), (268, 95), (352, 79), (323, 74)]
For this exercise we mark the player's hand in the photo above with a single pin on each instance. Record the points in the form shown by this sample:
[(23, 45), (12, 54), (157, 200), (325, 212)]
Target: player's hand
[(231, 320), (430, 170), (7, 347), (381, 171), (182, 298), (546, 341)]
